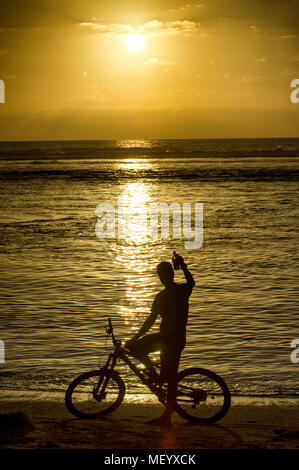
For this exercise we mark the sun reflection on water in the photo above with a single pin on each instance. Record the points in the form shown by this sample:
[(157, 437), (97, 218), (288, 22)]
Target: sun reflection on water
[(134, 199), (134, 143), (134, 254), (135, 164)]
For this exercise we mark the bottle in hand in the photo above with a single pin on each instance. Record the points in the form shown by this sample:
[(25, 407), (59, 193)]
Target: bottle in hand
[(176, 260)]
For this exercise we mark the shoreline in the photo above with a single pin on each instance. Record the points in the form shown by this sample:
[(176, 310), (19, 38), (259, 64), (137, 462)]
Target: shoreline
[(251, 423)]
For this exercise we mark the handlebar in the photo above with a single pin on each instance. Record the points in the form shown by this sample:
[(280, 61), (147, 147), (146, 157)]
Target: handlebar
[(109, 332)]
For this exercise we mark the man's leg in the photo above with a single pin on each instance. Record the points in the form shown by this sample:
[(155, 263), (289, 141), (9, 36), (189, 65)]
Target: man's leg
[(143, 347), (170, 360)]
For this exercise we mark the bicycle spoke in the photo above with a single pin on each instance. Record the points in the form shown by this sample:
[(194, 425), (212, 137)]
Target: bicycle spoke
[(202, 395), (94, 394)]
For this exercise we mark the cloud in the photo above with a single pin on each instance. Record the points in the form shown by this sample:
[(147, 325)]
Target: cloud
[(9, 76), (158, 63), (188, 6), (7, 30), (261, 59), (151, 28), (255, 29), (289, 36), (155, 61), (260, 79)]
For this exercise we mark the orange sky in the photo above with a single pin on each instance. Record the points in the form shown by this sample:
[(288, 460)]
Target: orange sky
[(218, 68)]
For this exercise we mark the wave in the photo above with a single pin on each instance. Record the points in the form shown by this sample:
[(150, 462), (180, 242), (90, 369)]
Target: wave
[(171, 148), (49, 385), (166, 174)]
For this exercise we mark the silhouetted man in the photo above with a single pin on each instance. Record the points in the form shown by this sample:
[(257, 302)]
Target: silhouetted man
[(172, 305)]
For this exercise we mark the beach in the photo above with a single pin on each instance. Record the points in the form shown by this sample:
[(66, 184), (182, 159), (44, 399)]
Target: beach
[(251, 423)]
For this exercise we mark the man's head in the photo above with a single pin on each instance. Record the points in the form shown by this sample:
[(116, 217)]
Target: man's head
[(165, 273)]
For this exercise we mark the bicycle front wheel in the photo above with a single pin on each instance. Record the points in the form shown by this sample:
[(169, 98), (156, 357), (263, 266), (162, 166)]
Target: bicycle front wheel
[(95, 394), (202, 396)]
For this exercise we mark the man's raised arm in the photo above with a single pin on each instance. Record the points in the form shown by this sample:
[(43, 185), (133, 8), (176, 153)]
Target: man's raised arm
[(188, 276)]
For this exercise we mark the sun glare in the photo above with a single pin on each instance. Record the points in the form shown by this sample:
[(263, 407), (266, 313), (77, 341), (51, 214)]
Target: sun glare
[(134, 42)]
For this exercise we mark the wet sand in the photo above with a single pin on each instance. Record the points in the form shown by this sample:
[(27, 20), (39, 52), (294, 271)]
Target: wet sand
[(251, 423)]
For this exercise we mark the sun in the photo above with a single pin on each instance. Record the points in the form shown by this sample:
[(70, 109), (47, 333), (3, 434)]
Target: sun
[(134, 42)]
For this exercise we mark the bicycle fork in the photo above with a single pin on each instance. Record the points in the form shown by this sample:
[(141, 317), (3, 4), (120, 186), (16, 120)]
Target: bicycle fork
[(104, 378)]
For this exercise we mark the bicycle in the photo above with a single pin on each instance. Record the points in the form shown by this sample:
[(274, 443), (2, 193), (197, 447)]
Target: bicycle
[(202, 395)]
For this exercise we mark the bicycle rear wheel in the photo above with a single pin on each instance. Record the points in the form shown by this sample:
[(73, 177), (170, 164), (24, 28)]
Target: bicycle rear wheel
[(203, 396), (95, 394)]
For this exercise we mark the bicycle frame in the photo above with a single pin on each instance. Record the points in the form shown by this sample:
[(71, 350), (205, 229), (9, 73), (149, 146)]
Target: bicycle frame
[(191, 388), (120, 353)]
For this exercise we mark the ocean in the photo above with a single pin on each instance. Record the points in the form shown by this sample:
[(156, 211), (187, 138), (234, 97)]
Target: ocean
[(60, 282)]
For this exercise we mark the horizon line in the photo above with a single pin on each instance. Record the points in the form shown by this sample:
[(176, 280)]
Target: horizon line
[(150, 139)]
